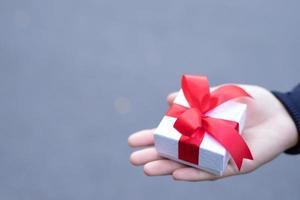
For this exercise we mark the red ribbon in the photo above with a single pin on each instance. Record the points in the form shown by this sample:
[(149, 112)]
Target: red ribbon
[(192, 122)]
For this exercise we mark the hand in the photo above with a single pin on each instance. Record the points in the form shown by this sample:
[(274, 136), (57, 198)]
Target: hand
[(269, 131)]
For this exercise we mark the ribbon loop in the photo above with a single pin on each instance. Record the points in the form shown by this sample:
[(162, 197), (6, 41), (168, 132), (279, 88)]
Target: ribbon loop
[(192, 83)]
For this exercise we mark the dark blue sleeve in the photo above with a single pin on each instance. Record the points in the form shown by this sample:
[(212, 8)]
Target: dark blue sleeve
[(291, 101)]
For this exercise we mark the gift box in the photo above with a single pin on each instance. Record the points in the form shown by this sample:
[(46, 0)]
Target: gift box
[(202, 128)]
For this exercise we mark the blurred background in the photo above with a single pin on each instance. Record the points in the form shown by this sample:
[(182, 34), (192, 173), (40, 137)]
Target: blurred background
[(77, 77)]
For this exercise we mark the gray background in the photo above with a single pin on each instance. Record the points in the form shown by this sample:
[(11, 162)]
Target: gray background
[(77, 77)]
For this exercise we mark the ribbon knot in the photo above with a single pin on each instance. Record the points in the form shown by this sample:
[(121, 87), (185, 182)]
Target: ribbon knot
[(192, 122), (189, 121)]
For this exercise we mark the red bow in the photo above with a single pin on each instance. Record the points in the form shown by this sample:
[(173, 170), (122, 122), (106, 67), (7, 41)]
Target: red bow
[(192, 122)]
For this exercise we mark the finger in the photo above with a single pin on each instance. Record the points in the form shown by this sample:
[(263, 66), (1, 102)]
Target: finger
[(193, 174), (144, 156), (141, 138), (161, 167), (231, 170), (171, 97)]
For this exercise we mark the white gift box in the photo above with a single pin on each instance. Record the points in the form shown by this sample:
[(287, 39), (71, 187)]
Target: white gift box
[(213, 157)]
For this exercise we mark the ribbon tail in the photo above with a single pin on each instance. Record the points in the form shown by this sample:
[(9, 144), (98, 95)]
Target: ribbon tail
[(188, 147), (226, 134)]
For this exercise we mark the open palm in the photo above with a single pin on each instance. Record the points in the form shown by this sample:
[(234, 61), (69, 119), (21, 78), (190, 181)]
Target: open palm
[(269, 130)]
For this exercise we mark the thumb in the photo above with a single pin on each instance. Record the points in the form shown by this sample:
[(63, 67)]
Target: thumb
[(171, 97)]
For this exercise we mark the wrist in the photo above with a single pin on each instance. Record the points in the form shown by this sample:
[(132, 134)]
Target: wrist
[(289, 128)]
